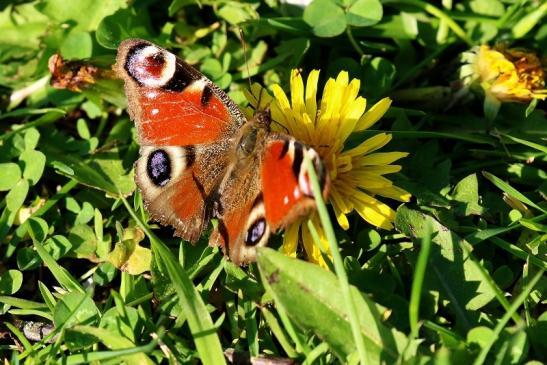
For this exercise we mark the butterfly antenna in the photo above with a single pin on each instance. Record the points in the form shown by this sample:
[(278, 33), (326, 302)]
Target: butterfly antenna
[(243, 44), (282, 126)]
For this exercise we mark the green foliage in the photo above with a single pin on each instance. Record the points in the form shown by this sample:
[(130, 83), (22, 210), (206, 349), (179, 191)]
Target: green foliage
[(84, 278)]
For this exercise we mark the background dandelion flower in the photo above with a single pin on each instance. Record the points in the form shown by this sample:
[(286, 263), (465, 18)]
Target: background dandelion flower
[(504, 75)]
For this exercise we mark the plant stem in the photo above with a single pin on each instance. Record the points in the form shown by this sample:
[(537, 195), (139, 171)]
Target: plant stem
[(353, 42), (338, 263)]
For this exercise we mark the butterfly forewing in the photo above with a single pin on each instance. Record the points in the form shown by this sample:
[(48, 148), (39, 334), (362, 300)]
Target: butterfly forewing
[(172, 103)]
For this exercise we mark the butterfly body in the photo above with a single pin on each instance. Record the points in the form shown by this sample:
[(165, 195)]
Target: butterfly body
[(200, 158)]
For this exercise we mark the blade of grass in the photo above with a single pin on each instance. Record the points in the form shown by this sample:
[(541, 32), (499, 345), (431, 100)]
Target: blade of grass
[(21, 303), (278, 332), (20, 336), (51, 117), (503, 321), (468, 137), (89, 357), (291, 330), (337, 261), (31, 312), (442, 330), (524, 142), (519, 252), (29, 111), (417, 283), (508, 189), (200, 322), (62, 276), (314, 354), (49, 299), (252, 329)]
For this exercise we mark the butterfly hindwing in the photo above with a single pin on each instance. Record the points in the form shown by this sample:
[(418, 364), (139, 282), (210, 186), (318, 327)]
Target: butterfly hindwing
[(285, 182), (176, 183), (266, 193)]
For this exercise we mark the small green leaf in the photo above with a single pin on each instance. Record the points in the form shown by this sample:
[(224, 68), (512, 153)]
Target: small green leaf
[(363, 13), (57, 246), (77, 46), (369, 239), (325, 18), (93, 110), (10, 282), (27, 259), (17, 195), (123, 24), (85, 13), (83, 240), (83, 129), (34, 163), (479, 335), (75, 308), (237, 12), (62, 168), (123, 321), (105, 273), (467, 193), (86, 214), (529, 21), (32, 136), (38, 228), (212, 68), (11, 173)]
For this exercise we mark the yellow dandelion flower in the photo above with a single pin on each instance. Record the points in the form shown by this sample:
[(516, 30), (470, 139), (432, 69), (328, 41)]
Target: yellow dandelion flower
[(505, 75), (357, 174)]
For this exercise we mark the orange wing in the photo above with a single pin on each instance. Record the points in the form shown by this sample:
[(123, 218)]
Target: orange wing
[(285, 182), (271, 191), (172, 103)]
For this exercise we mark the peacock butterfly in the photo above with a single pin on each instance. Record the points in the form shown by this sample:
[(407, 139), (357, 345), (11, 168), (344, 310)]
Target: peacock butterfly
[(200, 158)]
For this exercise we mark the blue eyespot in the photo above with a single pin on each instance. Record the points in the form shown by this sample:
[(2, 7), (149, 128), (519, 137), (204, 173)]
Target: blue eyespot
[(158, 167), (255, 232)]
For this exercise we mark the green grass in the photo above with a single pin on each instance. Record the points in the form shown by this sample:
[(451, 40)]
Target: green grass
[(85, 276)]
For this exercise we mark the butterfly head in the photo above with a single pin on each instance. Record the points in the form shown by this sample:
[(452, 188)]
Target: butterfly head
[(262, 119)]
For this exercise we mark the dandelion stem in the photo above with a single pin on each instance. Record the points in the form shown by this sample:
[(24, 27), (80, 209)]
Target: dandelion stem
[(338, 263)]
